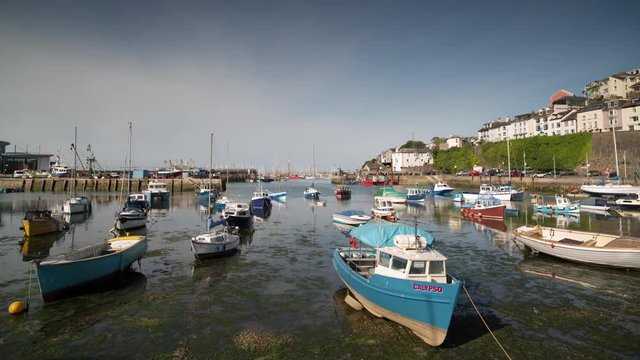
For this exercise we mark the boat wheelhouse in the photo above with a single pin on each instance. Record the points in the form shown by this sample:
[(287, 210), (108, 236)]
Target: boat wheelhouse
[(238, 214), (486, 206), (156, 191)]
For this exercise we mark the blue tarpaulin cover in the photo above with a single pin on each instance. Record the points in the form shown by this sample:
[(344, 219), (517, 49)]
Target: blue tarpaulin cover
[(380, 235)]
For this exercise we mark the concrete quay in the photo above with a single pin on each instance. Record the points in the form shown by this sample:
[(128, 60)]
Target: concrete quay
[(61, 185)]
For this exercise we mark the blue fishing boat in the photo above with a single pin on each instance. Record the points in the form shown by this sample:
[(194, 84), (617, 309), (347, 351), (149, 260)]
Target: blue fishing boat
[(206, 191), (260, 201), (440, 188), (399, 276), (416, 194), (68, 274), (562, 206), (311, 192)]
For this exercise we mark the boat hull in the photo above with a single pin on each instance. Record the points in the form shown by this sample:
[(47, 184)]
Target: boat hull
[(261, 203), (546, 208), (492, 212), (206, 249), (427, 314), (417, 197), (42, 226), (129, 221), (610, 189), (343, 195), (59, 278), (239, 221)]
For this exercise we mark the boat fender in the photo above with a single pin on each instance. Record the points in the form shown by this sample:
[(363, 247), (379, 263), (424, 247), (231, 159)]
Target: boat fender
[(17, 307)]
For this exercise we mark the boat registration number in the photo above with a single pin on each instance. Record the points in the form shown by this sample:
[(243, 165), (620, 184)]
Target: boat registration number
[(428, 288)]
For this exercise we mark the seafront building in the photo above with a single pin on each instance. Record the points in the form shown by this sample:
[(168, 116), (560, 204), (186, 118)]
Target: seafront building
[(613, 102)]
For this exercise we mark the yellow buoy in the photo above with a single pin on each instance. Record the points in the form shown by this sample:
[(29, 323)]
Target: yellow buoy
[(17, 307)]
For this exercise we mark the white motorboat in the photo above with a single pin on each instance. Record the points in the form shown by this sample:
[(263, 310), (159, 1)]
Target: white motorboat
[(630, 202)]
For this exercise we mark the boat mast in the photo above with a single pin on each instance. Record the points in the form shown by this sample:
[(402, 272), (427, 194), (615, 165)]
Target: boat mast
[(130, 156), (75, 171), (508, 160), (615, 148), (210, 166)]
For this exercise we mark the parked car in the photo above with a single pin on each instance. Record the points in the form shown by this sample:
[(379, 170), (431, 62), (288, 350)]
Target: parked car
[(570, 173), (541, 174), (490, 172), (462, 173), (474, 173), (595, 173), (22, 173), (516, 173)]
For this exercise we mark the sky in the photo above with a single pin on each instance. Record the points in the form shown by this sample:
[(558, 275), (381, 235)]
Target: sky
[(278, 82)]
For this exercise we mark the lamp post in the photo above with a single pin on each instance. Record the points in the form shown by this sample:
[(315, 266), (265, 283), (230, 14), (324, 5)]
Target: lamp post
[(554, 166)]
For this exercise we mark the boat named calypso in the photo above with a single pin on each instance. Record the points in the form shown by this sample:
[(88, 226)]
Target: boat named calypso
[(428, 288)]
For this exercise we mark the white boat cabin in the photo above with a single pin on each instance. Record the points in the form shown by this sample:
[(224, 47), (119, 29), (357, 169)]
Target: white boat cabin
[(237, 209), (260, 194), (414, 191), (156, 186), (408, 259)]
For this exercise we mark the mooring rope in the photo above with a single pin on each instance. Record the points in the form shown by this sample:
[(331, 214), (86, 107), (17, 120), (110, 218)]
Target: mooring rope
[(485, 323), (29, 288)]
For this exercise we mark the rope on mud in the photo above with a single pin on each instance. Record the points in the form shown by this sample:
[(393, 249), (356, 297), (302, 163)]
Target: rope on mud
[(485, 323)]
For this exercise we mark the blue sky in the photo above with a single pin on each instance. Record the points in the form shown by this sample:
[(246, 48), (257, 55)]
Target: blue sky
[(274, 79)]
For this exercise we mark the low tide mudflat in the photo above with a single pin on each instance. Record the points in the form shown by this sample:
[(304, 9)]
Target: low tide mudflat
[(280, 297)]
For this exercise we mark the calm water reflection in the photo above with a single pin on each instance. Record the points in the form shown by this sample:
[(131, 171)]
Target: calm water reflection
[(280, 297)]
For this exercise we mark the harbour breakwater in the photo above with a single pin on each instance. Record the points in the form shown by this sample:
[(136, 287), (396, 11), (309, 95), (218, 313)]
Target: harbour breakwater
[(61, 185)]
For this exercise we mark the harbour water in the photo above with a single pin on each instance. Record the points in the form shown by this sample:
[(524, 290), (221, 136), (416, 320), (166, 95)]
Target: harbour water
[(280, 297)]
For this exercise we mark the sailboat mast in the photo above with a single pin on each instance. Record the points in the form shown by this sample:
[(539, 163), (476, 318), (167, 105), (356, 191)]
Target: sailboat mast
[(75, 170), (210, 167), (508, 160), (615, 149), (130, 156)]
